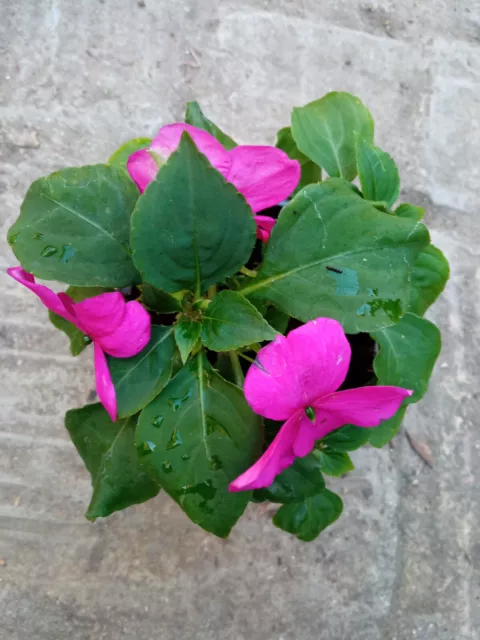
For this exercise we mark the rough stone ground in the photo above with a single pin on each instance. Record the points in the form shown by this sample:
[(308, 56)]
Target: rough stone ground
[(77, 78)]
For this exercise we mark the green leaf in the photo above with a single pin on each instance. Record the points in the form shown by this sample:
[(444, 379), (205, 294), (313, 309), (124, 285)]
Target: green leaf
[(201, 434), (196, 117), (302, 480), (348, 438), (159, 301), (121, 155), (277, 319), (387, 429), (74, 227), (191, 228), (409, 211), (332, 254), (408, 351), (139, 379), (310, 517), (430, 274), (326, 131), (187, 334), (378, 174), (78, 340), (310, 172), (333, 463), (231, 322), (107, 448)]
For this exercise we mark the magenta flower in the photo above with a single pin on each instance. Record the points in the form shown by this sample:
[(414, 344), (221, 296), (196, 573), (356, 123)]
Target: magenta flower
[(264, 175), (295, 378), (116, 327)]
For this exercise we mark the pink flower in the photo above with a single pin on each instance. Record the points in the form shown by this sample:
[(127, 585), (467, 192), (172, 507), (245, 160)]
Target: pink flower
[(116, 327), (296, 378), (264, 175)]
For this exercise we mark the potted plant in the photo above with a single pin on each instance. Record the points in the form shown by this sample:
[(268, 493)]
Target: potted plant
[(254, 313)]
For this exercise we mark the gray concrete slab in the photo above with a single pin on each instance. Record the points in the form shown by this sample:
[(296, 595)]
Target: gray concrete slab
[(77, 78)]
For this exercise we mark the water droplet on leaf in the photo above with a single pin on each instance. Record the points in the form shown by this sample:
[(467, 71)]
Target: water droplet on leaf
[(176, 403), (147, 447), (67, 252), (37, 236), (185, 456), (212, 426), (167, 467), (346, 282), (49, 251), (157, 421), (13, 238), (215, 463), (175, 440), (204, 489)]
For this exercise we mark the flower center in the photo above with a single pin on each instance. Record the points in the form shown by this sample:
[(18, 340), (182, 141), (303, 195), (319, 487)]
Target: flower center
[(310, 413)]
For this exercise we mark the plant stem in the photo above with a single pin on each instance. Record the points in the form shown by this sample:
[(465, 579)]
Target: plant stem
[(237, 369), (247, 358), (248, 272), (212, 291)]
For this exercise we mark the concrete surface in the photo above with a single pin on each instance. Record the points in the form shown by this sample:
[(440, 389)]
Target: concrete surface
[(77, 78)]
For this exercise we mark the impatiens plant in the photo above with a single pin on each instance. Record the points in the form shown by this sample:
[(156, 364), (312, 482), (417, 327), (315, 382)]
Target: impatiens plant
[(255, 314)]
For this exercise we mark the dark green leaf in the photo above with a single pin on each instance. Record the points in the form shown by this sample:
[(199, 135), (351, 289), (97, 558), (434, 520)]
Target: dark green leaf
[(333, 463), (302, 480), (139, 379), (310, 517), (187, 334), (108, 450), (78, 340), (224, 367), (409, 211), (74, 227), (159, 301), (277, 319), (121, 155), (191, 228), (430, 274), (332, 254), (348, 438), (231, 322), (195, 117), (378, 174), (202, 435), (310, 171), (326, 131), (381, 435), (408, 351)]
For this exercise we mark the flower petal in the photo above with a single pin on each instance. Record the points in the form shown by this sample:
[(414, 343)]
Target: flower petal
[(305, 440), (168, 139), (131, 335), (54, 302), (294, 372), (276, 458), (142, 168), (101, 315), (365, 406), (265, 225), (264, 175), (104, 384)]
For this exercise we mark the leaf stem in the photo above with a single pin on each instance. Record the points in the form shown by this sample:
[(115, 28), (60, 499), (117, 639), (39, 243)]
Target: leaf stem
[(237, 369), (212, 291)]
